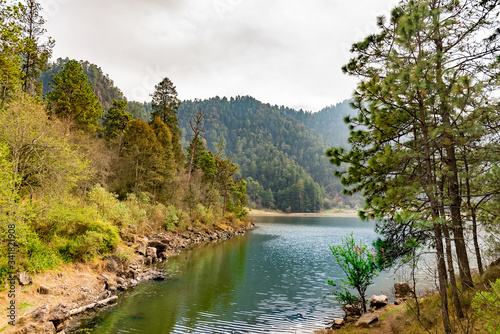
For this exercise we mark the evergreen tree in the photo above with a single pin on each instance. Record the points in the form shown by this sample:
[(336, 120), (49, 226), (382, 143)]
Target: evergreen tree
[(10, 59), (143, 161), (423, 98), (164, 137), (72, 97), (164, 105), (116, 121), (35, 54)]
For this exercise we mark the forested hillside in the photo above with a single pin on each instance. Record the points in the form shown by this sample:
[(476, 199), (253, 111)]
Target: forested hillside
[(280, 151)]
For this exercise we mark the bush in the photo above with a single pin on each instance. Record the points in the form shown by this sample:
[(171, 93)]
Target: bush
[(108, 206), (487, 307), (77, 232), (358, 263), (171, 219)]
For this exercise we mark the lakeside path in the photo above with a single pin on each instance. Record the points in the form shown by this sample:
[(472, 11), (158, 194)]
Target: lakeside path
[(346, 213)]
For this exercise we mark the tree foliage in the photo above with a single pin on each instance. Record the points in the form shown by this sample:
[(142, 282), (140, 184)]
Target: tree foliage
[(424, 106), (72, 97), (164, 106), (359, 264), (34, 52)]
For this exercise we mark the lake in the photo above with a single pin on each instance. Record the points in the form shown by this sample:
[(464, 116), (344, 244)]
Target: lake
[(271, 280)]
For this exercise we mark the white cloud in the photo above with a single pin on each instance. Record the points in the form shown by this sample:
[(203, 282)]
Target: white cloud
[(281, 52)]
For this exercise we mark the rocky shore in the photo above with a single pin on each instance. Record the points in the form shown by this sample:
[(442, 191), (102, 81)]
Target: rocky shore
[(63, 299)]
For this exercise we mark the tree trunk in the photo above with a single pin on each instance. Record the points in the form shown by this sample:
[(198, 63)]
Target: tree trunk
[(441, 265), (451, 274)]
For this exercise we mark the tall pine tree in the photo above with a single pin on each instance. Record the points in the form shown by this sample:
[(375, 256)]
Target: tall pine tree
[(165, 104)]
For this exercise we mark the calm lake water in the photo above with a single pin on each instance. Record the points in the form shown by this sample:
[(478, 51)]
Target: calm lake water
[(271, 280)]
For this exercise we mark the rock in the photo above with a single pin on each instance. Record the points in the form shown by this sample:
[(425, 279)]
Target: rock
[(367, 320), (399, 301), (60, 312), (131, 273), (59, 316), (43, 290), (151, 251), (39, 315), (120, 280), (141, 246), (352, 310), (24, 279), (133, 283), (113, 264), (111, 285), (379, 301), (338, 323), (403, 289)]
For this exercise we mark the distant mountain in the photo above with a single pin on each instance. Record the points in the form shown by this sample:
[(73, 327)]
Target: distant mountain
[(104, 87), (280, 151)]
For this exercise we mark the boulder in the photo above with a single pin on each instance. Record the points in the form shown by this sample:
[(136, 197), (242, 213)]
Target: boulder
[(141, 246), (59, 316), (111, 285), (403, 289), (39, 315), (113, 264), (131, 273), (367, 320), (60, 312), (338, 323), (379, 301), (24, 279), (151, 251)]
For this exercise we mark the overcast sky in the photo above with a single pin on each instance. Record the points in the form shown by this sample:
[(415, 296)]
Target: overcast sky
[(285, 52)]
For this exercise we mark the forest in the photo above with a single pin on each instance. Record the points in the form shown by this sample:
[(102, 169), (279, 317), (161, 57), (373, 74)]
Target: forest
[(78, 172)]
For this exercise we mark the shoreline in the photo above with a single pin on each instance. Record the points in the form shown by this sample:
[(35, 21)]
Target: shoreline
[(262, 213), (50, 302)]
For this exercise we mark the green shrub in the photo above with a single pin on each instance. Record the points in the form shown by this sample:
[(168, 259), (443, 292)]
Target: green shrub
[(358, 263), (486, 305), (108, 206), (171, 219)]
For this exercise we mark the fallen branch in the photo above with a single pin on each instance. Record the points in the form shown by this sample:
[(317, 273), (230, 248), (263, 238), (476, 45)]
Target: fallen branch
[(86, 307)]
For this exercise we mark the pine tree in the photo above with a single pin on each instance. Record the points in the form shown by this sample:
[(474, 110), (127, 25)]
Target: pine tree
[(10, 59), (116, 121), (35, 54), (165, 104), (423, 99), (73, 99), (143, 161)]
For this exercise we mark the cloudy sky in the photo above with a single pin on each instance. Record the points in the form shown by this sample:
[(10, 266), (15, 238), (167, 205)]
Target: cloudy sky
[(285, 52)]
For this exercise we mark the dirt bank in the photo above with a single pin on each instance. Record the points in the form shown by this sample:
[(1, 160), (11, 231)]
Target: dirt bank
[(55, 301)]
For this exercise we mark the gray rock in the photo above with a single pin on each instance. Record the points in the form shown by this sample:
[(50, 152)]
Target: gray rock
[(24, 279), (151, 251), (141, 246), (403, 289), (40, 314), (133, 282), (111, 285), (367, 320), (113, 264), (379, 301), (60, 312), (338, 323)]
